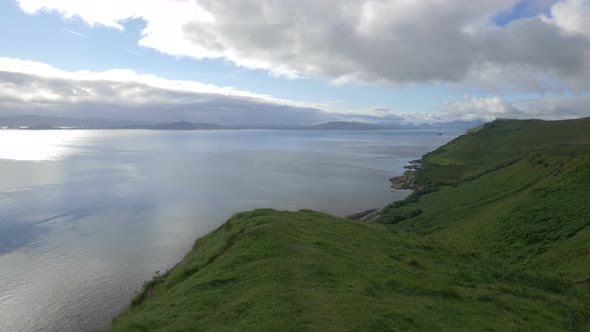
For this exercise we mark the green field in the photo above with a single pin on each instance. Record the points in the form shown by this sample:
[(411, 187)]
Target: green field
[(495, 240)]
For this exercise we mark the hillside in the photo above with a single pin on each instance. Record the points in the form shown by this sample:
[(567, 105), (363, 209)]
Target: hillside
[(496, 239), (502, 142), (269, 270), (517, 191)]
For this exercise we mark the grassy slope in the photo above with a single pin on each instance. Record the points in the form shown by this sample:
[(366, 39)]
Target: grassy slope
[(501, 245), (528, 206), (499, 143), (270, 270)]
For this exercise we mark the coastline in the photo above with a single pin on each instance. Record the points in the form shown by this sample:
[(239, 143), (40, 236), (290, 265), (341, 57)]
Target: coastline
[(353, 274), (408, 179)]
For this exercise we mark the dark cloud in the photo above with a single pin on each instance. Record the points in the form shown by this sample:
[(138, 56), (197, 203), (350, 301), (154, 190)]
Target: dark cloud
[(34, 88), (25, 93)]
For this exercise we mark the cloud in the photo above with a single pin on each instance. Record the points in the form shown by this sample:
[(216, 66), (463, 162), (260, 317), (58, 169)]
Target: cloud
[(401, 41), (28, 87), (548, 108), (486, 108), (572, 16)]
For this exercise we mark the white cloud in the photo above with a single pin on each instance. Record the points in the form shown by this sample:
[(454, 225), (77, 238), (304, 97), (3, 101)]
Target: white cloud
[(488, 108), (127, 75), (28, 87), (548, 108), (33, 87), (572, 16), (368, 40)]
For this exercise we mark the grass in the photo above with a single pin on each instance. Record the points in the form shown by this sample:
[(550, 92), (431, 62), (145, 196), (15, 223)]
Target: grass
[(298, 271), (529, 206), (498, 144), (496, 240)]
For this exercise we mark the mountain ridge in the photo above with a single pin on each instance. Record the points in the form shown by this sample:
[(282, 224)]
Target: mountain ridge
[(56, 122)]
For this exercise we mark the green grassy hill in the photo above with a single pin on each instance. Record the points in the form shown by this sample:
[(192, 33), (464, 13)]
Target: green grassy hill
[(496, 240), (500, 143), (516, 191)]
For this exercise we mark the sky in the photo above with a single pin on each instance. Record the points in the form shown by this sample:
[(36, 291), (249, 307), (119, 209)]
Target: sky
[(292, 62)]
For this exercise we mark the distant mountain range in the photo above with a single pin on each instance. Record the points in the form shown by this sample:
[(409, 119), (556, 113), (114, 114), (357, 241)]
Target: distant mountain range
[(64, 122), (39, 122), (342, 125), (184, 125)]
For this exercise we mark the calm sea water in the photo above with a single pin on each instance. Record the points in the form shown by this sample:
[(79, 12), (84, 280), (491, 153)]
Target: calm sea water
[(86, 216)]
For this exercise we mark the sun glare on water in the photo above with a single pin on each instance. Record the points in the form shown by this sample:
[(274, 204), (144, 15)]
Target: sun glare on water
[(35, 145)]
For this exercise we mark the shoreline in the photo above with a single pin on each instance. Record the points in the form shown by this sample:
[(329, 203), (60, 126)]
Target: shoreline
[(384, 262), (407, 181)]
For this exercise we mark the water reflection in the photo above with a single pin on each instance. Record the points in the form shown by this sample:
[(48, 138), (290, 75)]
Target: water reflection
[(35, 145), (86, 216)]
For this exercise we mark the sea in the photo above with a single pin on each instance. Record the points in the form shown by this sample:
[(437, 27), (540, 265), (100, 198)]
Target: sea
[(87, 215)]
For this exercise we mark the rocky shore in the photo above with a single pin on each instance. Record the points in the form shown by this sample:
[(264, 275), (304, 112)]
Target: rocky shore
[(403, 182), (407, 180)]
